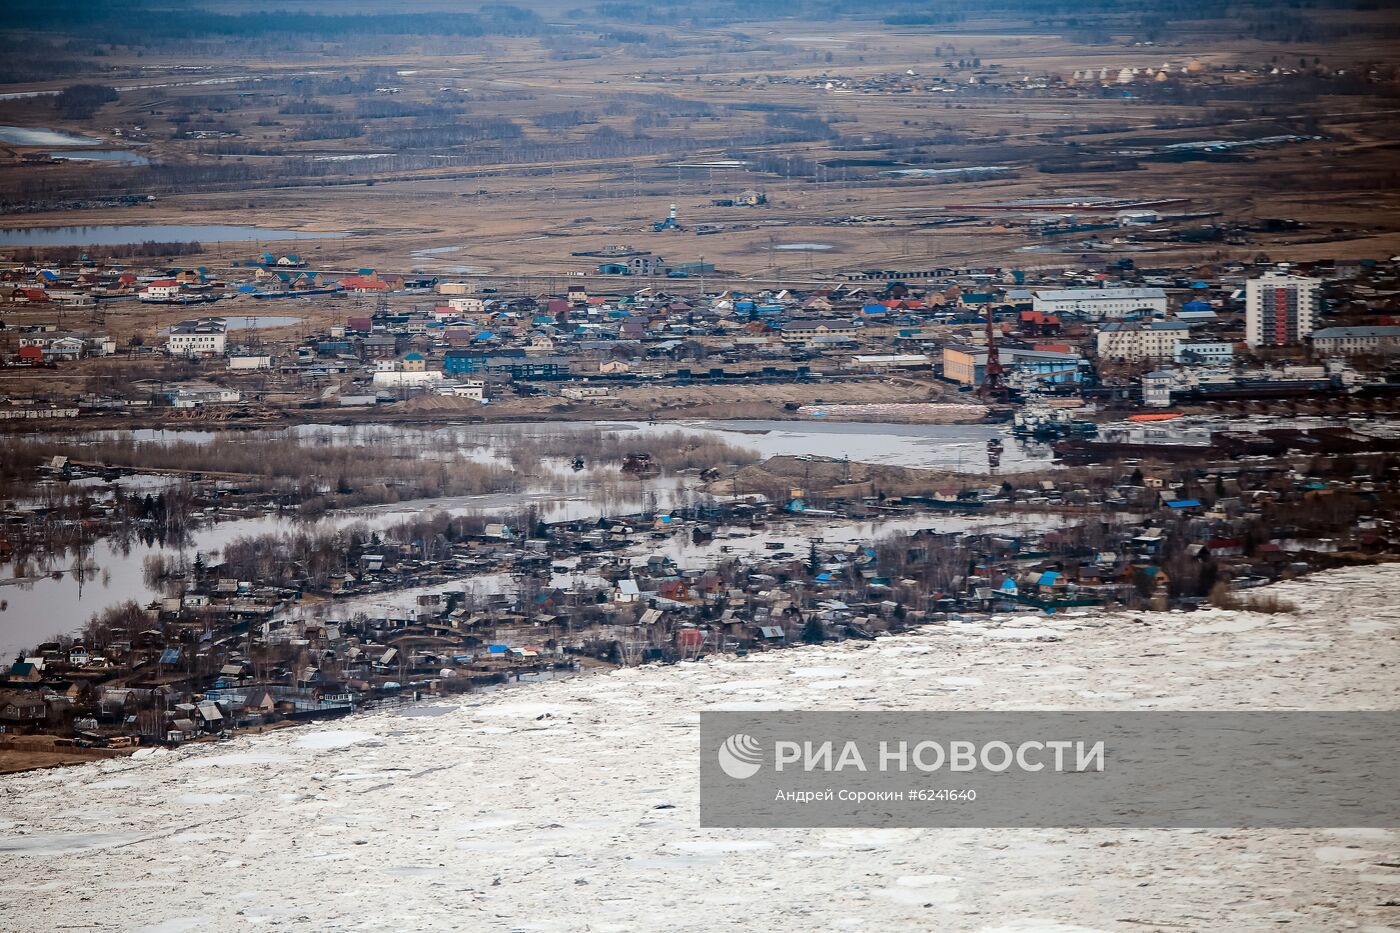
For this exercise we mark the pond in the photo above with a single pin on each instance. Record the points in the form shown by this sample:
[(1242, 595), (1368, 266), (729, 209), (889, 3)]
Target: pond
[(119, 234)]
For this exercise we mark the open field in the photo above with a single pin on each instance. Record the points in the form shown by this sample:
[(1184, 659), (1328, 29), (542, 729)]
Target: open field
[(510, 155)]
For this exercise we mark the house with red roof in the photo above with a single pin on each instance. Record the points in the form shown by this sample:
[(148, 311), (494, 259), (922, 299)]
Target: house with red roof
[(364, 285)]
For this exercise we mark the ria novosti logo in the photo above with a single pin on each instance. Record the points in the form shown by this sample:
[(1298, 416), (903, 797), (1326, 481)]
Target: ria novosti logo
[(740, 756)]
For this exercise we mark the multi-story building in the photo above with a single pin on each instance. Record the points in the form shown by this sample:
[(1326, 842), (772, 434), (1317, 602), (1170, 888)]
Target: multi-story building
[(1377, 340), (1132, 342), (813, 331), (1210, 352), (199, 337), (1099, 304), (1280, 309)]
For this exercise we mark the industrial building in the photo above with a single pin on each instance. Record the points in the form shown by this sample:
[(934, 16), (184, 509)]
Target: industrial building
[(968, 365)]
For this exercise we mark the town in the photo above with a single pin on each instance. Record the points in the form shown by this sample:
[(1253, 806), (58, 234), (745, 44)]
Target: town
[(1156, 439), (449, 450)]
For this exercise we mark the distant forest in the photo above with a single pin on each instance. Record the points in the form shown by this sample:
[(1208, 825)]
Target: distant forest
[(156, 23), (152, 22), (143, 22)]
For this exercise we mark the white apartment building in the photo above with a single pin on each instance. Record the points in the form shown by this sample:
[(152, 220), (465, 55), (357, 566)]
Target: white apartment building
[(1280, 309), (1377, 340), (199, 337), (1100, 304), (1132, 342)]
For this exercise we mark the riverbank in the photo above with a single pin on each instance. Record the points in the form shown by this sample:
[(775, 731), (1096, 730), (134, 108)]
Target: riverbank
[(459, 814)]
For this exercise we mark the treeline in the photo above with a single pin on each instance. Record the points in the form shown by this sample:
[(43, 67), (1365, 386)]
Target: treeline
[(44, 61), (68, 255), (139, 23), (481, 129), (81, 101)]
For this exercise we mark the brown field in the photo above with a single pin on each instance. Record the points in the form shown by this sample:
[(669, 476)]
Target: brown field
[(601, 173)]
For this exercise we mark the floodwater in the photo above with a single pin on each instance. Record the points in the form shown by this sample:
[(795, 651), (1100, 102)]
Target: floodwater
[(47, 605), (100, 155), (118, 234), (38, 136), (958, 447), (685, 553), (60, 601), (56, 600), (426, 260)]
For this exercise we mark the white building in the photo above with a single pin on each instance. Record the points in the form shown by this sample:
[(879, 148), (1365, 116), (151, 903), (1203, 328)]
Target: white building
[(1137, 218), (1157, 340), (466, 388), (467, 305), (195, 394), (1280, 309), (1211, 352), (1157, 389), (199, 337), (1374, 340), (160, 290), (400, 379), (1101, 303)]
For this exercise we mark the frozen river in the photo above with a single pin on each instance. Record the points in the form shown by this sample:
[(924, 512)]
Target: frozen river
[(572, 804)]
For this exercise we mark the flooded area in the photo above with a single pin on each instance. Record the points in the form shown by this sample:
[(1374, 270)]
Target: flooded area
[(686, 555), (957, 447), (430, 259), (39, 136), (116, 156), (57, 597), (121, 234)]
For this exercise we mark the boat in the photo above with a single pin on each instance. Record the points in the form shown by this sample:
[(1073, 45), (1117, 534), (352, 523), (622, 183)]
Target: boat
[(1045, 423)]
